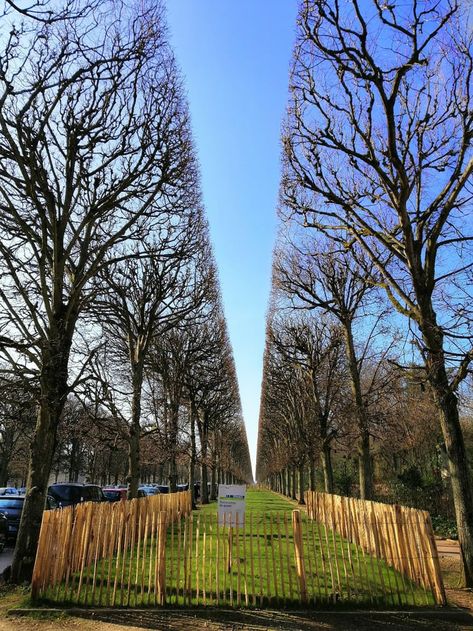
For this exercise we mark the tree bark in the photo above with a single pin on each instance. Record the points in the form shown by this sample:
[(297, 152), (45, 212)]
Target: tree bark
[(213, 483), (364, 453), (460, 474), (204, 446), (173, 437), (312, 472), (301, 484), (204, 483), (193, 458), (326, 457), (134, 433), (4, 475), (283, 482), (294, 484), (53, 390)]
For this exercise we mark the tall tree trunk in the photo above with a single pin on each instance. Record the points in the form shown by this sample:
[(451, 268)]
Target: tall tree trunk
[(202, 425), (326, 457), (4, 475), (134, 431), (283, 482), (364, 453), (173, 440), (54, 390), (460, 474), (214, 465), (312, 471), (301, 484), (204, 492), (213, 484), (193, 458), (294, 483)]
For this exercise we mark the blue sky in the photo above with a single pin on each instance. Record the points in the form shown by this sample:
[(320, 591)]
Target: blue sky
[(235, 55)]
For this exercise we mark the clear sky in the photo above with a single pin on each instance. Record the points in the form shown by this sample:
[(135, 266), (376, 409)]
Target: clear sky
[(235, 55)]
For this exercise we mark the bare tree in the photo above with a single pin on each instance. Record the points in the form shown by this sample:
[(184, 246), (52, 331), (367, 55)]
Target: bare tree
[(146, 296), (17, 415), (317, 276), (94, 146), (378, 152), (316, 345)]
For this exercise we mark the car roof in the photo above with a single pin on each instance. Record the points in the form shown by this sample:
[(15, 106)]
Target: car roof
[(79, 484), (12, 497)]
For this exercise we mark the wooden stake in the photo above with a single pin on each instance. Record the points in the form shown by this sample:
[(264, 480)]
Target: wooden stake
[(253, 589), (273, 556), (299, 554), (260, 570), (197, 532), (217, 564), (237, 531), (281, 563), (288, 558)]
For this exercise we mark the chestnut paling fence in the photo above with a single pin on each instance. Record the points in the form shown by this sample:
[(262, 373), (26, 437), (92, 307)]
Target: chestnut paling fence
[(155, 551), (83, 549), (402, 536)]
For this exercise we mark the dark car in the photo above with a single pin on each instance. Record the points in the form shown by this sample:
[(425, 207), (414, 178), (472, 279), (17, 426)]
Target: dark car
[(11, 507), (115, 494), (71, 493), (9, 490), (163, 488), (149, 490)]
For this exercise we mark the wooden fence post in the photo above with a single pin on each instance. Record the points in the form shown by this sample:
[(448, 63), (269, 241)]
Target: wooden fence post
[(299, 553), (161, 558), (439, 589)]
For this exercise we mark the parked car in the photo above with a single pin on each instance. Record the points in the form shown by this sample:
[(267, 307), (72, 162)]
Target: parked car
[(163, 488), (11, 507), (149, 490), (116, 493), (182, 487), (71, 493), (8, 490)]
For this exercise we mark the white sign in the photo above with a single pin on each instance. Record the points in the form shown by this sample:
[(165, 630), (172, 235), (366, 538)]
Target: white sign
[(231, 502)]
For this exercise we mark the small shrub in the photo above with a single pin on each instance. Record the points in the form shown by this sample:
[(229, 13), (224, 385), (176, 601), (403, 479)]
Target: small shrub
[(444, 527), (411, 478)]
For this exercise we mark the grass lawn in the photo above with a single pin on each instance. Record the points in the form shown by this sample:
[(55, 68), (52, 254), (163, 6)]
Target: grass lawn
[(254, 566)]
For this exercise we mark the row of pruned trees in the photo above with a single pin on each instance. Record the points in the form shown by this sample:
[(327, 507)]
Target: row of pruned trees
[(376, 205), (108, 287)]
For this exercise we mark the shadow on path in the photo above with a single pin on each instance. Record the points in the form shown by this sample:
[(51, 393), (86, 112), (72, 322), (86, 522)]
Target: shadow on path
[(243, 620)]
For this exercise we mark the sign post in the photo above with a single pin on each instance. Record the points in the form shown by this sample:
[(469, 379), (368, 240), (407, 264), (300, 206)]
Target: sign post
[(231, 512), (231, 502)]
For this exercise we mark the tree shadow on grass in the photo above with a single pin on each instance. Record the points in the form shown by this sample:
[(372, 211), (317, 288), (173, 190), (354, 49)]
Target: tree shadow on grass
[(245, 620)]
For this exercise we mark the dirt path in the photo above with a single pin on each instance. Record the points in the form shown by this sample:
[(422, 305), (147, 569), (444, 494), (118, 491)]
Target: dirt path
[(448, 548), (223, 620), (460, 619)]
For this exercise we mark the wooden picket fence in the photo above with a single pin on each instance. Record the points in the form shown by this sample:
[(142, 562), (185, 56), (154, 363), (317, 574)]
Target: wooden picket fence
[(136, 554), (402, 536), (83, 550)]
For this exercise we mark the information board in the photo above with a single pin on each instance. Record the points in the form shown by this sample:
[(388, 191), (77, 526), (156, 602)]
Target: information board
[(231, 502)]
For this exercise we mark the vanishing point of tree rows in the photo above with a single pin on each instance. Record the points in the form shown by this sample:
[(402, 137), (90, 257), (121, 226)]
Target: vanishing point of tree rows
[(115, 361), (368, 361)]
